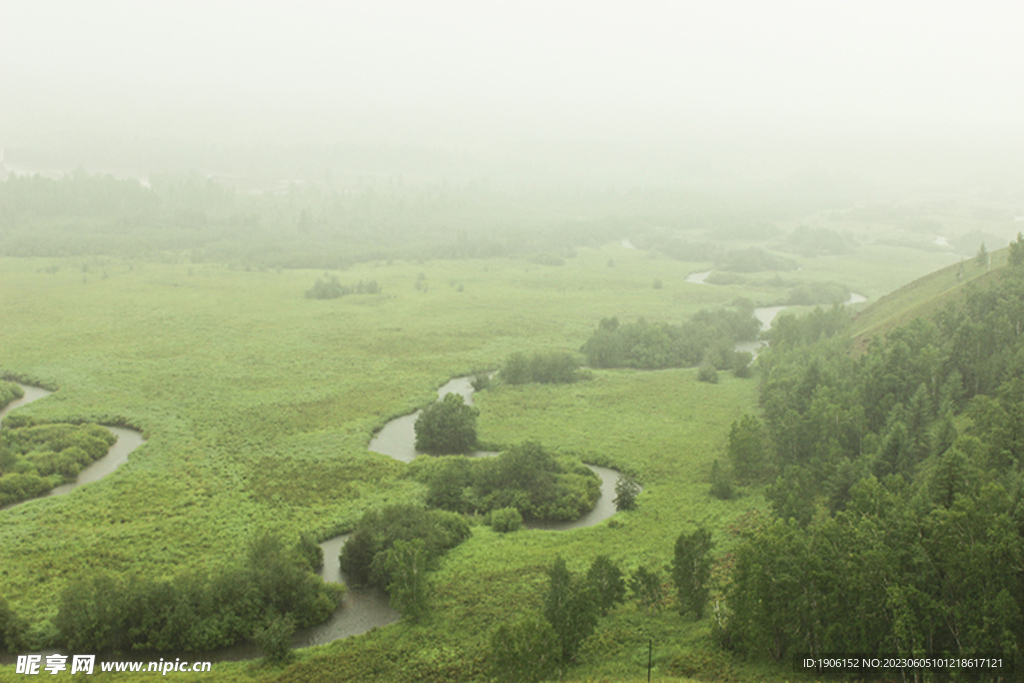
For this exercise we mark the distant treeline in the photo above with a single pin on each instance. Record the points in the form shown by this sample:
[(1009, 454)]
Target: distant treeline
[(896, 482), (311, 226), (662, 345)]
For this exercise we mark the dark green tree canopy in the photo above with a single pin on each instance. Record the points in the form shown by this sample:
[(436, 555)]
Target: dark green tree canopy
[(447, 426)]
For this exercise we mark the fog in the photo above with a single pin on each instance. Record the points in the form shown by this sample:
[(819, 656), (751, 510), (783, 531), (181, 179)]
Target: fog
[(650, 93)]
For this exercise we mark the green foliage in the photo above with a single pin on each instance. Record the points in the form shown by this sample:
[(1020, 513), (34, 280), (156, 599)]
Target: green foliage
[(9, 391), (647, 588), (12, 628), (721, 482), (691, 570), (310, 550), (364, 558), (330, 288), (526, 477), (192, 611), (552, 367), (274, 639), (407, 563), (748, 450), (525, 651), (571, 608), (626, 491), (605, 579), (505, 520), (36, 457), (447, 426), (708, 374), (895, 527), (1014, 259), (661, 345)]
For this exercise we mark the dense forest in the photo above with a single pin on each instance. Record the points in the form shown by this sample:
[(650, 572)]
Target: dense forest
[(896, 486)]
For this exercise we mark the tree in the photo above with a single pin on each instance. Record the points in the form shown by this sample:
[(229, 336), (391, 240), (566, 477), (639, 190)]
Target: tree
[(647, 589), (605, 578), (746, 449), (447, 426), (409, 589), (982, 258), (506, 519), (626, 491), (570, 608), (274, 638), (721, 484), (516, 369), (525, 651), (691, 569), (1016, 255)]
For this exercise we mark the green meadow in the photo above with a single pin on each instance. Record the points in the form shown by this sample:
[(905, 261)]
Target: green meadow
[(258, 403)]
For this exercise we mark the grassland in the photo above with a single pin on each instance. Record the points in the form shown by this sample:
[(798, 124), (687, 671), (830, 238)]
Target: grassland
[(258, 404)]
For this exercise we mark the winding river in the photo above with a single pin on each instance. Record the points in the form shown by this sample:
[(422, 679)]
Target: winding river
[(364, 608)]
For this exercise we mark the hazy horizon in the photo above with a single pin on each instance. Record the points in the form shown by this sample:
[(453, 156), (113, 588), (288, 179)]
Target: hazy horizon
[(645, 93)]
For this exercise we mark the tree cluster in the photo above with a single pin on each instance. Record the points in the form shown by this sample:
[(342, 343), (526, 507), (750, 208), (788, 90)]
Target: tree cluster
[(102, 612), (394, 548), (9, 391), (525, 477), (35, 457), (330, 288), (707, 335), (552, 367)]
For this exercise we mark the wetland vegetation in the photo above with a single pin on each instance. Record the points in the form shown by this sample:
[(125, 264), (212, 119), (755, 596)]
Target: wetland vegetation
[(180, 310)]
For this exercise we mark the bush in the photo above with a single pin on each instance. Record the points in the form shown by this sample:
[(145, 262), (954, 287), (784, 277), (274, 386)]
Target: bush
[(721, 484), (274, 638), (553, 367), (9, 391), (525, 477), (707, 373), (506, 519), (364, 556), (447, 426), (525, 651), (626, 491)]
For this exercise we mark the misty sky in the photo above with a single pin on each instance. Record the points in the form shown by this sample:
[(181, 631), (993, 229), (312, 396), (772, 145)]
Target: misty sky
[(473, 73)]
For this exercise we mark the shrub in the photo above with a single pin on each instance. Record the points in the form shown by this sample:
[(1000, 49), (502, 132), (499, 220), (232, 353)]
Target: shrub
[(626, 491), (707, 373), (506, 519), (721, 484), (274, 638), (447, 426)]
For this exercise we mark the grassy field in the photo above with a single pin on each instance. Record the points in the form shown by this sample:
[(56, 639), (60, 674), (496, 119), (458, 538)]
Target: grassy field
[(258, 404)]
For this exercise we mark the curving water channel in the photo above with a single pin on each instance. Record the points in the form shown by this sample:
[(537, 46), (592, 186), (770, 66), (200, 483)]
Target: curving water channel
[(362, 608), (127, 441)]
